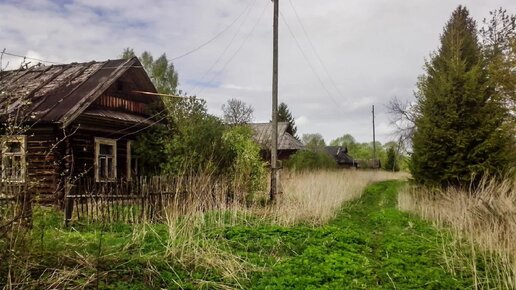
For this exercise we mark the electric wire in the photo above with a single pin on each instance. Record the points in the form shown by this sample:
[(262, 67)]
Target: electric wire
[(31, 58), (251, 3), (248, 9), (308, 61), (240, 47), (218, 59), (221, 55), (315, 50)]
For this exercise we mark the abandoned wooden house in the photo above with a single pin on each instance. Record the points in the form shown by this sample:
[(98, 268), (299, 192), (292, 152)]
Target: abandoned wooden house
[(340, 154), (287, 144), (64, 122)]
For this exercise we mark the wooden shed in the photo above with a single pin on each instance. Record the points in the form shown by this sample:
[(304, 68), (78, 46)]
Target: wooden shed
[(71, 121)]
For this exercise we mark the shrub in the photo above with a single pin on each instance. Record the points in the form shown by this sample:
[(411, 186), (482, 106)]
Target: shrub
[(311, 160), (247, 169)]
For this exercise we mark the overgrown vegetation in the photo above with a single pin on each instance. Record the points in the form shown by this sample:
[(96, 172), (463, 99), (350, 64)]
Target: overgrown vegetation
[(367, 244), (483, 224), (310, 160)]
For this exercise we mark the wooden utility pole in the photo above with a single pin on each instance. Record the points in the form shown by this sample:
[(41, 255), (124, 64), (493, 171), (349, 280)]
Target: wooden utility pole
[(274, 145), (374, 142)]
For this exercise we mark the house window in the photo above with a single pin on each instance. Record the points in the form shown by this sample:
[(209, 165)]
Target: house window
[(13, 158), (132, 161), (105, 160)]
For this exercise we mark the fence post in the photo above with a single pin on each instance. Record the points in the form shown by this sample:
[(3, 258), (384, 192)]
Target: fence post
[(26, 205), (68, 203)]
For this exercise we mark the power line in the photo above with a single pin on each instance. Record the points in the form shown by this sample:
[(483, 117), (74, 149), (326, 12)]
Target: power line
[(308, 61), (251, 3), (225, 65), (241, 45), (31, 58), (314, 50), (216, 36), (141, 129), (221, 55)]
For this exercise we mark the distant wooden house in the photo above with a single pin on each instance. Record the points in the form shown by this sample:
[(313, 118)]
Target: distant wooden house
[(77, 120), (287, 144), (340, 154)]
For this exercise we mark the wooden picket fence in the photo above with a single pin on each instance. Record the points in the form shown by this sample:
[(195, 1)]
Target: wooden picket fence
[(141, 200)]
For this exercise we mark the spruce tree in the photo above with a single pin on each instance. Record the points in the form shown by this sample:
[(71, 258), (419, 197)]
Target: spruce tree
[(392, 164), (459, 135), (284, 115)]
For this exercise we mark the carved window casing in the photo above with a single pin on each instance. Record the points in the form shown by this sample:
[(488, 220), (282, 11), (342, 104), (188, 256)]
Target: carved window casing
[(14, 151), (105, 160)]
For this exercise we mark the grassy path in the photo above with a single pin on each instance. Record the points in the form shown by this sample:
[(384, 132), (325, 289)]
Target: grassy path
[(370, 245)]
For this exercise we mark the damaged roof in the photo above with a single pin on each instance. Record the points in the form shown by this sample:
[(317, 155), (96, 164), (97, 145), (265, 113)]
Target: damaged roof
[(262, 134), (59, 93), (340, 154)]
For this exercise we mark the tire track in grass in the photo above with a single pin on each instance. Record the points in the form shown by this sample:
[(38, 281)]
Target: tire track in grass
[(370, 245)]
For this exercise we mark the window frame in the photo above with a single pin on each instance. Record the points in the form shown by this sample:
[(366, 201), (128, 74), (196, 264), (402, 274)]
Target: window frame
[(110, 142), (129, 161), (22, 139)]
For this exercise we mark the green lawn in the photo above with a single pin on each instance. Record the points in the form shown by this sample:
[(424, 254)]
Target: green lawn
[(370, 245)]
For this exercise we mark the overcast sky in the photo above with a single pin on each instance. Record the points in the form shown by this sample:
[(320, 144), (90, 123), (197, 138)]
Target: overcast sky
[(342, 57)]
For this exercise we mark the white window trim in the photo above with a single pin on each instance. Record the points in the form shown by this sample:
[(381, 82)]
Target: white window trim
[(23, 140), (105, 141)]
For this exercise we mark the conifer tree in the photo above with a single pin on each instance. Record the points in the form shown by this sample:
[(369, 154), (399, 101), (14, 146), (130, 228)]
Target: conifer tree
[(459, 134), (284, 115), (391, 164)]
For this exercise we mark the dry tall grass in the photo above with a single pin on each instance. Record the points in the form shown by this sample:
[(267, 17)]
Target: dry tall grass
[(316, 197), (193, 222), (483, 223), (311, 197)]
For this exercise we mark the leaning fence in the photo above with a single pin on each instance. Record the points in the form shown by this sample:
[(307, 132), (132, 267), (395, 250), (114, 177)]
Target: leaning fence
[(144, 199), (135, 201)]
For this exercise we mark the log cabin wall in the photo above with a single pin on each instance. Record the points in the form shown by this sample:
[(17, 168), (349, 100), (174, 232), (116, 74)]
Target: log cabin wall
[(83, 148), (43, 161), (49, 163)]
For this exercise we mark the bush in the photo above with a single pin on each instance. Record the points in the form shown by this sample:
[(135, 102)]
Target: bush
[(247, 169), (194, 141), (311, 160)]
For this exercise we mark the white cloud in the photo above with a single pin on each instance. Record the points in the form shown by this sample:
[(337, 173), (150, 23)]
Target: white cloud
[(373, 49)]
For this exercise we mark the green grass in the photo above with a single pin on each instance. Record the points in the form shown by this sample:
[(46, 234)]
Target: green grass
[(370, 245)]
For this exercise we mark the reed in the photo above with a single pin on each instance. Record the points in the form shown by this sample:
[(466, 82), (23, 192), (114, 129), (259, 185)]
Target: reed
[(483, 228)]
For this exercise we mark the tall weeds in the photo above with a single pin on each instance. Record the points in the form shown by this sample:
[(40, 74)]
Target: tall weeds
[(315, 197), (483, 227), (189, 241)]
